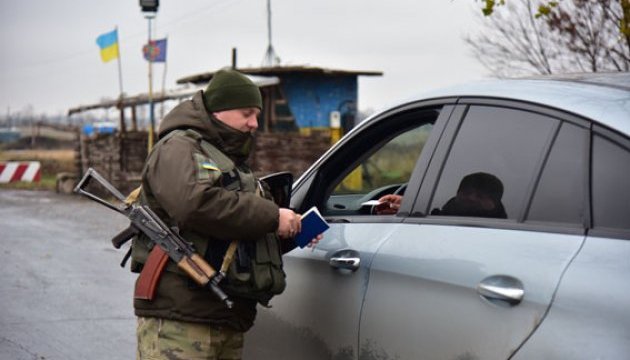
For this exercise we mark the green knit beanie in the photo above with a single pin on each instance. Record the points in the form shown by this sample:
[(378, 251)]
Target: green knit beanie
[(228, 89)]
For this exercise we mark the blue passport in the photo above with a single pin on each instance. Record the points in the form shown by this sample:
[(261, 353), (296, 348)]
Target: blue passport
[(313, 224)]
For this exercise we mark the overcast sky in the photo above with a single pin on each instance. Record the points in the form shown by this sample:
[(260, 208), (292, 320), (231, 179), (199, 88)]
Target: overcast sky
[(50, 59)]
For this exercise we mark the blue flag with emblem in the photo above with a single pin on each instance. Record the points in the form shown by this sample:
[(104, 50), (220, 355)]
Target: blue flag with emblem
[(155, 51)]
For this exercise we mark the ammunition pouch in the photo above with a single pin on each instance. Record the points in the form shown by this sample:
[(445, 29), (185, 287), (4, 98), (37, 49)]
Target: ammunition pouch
[(257, 272)]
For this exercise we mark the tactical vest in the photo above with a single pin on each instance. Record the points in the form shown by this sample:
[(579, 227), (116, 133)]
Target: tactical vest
[(256, 273)]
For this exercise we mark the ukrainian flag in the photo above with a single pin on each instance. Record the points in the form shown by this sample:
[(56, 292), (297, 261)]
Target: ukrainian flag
[(108, 43)]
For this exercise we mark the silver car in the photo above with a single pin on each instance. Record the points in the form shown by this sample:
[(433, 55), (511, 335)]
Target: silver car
[(512, 240)]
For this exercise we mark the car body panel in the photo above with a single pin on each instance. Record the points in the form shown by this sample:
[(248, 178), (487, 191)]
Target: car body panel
[(318, 314), (590, 315), (422, 297), (608, 106)]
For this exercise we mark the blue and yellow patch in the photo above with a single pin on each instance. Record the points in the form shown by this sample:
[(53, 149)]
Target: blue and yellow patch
[(209, 166), (207, 170)]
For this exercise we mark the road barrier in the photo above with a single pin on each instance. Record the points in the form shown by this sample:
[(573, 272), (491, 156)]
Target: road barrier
[(12, 171)]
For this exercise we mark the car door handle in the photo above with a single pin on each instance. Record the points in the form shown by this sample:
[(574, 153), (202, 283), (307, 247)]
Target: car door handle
[(345, 259), (345, 263), (502, 288)]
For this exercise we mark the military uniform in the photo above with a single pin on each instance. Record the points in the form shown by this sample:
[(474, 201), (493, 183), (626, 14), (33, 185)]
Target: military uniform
[(167, 339), (196, 179)]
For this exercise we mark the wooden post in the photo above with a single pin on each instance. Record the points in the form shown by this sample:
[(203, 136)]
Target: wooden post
[(123, 125), (134, 118)]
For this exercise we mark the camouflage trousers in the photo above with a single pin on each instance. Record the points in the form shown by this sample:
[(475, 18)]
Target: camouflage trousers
[(177, 340)]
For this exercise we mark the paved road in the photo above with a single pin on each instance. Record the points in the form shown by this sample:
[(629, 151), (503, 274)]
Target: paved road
[(63, 294)]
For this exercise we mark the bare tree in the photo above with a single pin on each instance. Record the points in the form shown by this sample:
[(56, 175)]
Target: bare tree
[(591, 33), (512, 42), (571, 36)]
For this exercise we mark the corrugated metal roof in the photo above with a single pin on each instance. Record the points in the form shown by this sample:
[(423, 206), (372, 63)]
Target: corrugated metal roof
[(173, 94), (139, 99), (281, 70)]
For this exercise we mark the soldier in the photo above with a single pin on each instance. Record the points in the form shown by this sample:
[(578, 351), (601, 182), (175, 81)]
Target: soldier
[(196, 179)]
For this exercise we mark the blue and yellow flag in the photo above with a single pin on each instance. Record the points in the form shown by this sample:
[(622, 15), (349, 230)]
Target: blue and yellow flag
[(108, 43)]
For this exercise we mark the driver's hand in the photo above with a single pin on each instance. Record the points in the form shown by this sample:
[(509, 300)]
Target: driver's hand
[(388, 204)]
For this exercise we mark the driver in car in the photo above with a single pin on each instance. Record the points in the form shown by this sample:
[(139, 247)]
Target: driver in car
[(478, 195)]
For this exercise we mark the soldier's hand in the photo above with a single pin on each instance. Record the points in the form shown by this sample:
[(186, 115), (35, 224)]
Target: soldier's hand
[(289, 223)]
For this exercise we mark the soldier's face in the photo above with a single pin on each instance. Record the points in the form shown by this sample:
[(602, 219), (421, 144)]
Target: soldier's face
[(245, 120)]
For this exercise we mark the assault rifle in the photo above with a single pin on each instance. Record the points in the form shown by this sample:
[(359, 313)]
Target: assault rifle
[(168, 243)]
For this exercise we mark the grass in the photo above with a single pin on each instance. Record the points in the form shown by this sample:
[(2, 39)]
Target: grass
[(52, 162)]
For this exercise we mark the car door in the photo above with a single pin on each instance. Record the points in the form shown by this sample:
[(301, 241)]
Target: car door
[(589, 318), (472, 272), (317, 317)]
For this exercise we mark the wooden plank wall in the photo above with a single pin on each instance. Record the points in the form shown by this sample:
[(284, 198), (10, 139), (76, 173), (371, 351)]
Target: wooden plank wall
[(121, 159)]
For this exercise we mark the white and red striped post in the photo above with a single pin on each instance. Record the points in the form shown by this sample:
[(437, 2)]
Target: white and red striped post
[(12, 171)]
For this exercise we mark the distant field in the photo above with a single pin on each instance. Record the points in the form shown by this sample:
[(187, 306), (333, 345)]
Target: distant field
[(52, 161), (57, 155), (47, 132)]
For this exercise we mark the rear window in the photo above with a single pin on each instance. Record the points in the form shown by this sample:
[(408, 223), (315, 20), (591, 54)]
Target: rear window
[(611, 184)]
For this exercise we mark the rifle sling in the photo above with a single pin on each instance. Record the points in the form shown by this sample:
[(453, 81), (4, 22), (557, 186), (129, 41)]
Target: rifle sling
[(229, 256)]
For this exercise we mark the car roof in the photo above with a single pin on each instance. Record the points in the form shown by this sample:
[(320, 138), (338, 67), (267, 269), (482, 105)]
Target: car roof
[(601, 97)]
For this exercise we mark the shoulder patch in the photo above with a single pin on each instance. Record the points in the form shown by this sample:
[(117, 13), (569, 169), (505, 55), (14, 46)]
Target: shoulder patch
[(206, 169), (209, 166)]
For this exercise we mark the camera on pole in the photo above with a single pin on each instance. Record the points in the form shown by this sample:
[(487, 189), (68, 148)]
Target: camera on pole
[(149, 5)]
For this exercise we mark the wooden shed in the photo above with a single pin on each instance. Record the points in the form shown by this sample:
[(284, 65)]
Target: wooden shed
[(305, 97)]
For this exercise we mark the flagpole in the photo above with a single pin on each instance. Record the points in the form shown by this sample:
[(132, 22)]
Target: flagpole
[(163, 85), (151, 113), (120, 83), (123, 128)]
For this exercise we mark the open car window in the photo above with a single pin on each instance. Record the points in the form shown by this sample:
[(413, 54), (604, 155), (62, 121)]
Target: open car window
[(377, 162)]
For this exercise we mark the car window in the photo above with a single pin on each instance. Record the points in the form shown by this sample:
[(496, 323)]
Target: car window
[(560, 194), (492, 163), (386, 160), (392, 164), (610, 183)]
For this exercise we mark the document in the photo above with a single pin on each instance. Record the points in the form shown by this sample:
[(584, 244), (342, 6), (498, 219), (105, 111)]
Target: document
[(313, 224), (370, 203)]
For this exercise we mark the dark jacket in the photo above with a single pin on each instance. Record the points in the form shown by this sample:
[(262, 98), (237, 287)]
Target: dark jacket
[(194, 199)]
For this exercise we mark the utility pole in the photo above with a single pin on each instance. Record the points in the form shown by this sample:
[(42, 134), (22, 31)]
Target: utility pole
[(150, 8)]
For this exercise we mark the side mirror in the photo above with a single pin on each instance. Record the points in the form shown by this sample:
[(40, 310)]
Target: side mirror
[(280, 185)]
